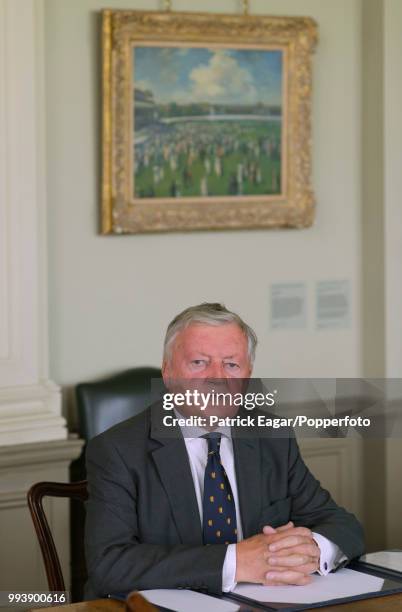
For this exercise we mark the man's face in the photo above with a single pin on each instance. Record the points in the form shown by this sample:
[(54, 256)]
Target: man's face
[(210, 358)]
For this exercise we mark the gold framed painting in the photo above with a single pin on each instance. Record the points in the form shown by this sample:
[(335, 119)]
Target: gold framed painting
[(206, 121)]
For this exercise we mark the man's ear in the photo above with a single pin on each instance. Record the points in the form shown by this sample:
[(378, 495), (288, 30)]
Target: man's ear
[(165, 371)]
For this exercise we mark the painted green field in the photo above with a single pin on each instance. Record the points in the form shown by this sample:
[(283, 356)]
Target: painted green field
[(209, 158)]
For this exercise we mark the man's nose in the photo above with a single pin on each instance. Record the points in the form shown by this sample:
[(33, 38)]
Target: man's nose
[(216, 370)]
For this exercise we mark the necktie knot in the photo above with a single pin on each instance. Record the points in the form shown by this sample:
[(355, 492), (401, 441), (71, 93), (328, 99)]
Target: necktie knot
[(214, 442)]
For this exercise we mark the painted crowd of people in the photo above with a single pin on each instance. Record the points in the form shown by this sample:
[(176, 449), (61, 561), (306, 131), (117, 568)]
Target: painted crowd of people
[(208, 158)]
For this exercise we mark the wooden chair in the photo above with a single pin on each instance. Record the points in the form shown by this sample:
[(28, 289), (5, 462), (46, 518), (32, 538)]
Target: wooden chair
[(135, 602), (73, 490)]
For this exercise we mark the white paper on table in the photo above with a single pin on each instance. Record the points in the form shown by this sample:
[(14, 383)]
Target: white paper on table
[(183, 600), (343, 583), (390, 559)]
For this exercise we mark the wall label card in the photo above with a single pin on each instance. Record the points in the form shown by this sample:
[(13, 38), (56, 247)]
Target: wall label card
[(332, 304), (288, 306)]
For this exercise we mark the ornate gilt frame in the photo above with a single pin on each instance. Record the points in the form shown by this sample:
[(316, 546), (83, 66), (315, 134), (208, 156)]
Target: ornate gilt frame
[(121, 213)]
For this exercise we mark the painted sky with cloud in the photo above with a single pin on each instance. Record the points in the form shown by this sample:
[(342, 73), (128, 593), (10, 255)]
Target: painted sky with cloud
[(218, 76)]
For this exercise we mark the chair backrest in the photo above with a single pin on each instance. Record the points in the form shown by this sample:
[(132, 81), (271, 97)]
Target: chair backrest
[(104, 403), (74, 490), (101, 405)]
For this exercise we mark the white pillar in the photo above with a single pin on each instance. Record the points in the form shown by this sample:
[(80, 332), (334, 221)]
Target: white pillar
[(393, 247), (382, 253), (30, 406)]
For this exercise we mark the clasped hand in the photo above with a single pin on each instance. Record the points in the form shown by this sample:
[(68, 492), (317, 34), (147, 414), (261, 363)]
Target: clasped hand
[(281, 556)]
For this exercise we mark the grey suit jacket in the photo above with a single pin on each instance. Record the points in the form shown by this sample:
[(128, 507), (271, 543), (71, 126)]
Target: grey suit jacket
[(143, 528)]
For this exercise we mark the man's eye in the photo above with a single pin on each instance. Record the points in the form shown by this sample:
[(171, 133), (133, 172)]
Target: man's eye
[(198, 362), (231, 365)]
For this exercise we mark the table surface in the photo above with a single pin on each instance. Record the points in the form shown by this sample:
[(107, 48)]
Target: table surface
[(388, 603)]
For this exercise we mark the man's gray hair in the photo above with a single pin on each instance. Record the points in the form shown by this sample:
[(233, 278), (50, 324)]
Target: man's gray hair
[(207, 314)]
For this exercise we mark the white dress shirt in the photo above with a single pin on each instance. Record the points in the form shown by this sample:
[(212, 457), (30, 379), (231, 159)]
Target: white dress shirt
[(197, 450)]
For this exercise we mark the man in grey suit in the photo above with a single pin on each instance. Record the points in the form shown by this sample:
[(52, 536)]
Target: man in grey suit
[(206, 508)]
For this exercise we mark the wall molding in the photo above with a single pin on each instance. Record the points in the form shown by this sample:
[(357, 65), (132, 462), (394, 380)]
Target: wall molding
[(345, 455), (40, 454)]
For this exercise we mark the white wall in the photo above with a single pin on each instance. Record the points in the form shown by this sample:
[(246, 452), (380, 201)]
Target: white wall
[(112, 297)]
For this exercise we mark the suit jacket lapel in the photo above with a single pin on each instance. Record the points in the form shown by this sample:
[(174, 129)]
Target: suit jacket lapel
[(247, 457), (173, 466)]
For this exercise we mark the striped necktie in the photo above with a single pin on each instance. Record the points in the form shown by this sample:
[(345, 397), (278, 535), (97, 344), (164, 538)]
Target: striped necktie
[(219, 511)]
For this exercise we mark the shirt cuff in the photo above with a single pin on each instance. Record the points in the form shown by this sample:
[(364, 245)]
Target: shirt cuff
[(229, 569), (330, 554)]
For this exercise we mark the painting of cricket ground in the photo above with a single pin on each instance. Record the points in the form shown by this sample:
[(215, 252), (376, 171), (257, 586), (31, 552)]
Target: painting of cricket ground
[(207, 122)]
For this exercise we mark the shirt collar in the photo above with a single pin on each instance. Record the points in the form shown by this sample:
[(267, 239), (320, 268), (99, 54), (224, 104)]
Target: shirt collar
[(194, 432)]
